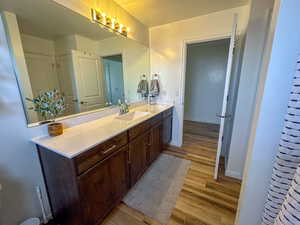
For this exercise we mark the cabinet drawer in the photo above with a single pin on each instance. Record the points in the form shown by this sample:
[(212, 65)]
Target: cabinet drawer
[(88, 159), (139, 129), (167, 113)]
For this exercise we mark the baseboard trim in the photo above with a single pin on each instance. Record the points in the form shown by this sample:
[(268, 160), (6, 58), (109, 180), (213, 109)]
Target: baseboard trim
[(233, 174)]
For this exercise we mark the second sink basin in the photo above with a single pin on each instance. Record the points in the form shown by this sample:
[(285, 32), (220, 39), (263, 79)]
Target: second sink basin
[(131, 116)]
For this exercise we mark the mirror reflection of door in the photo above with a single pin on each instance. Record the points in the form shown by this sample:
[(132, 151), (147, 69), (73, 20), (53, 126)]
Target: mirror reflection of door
[(89, 81), (113, 74)]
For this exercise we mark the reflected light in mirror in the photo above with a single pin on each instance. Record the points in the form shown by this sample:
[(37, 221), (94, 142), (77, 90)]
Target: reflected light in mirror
[(110, 23)]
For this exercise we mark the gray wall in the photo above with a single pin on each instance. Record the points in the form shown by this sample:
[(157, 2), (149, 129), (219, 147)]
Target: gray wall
[(205, 80), (275, 82)]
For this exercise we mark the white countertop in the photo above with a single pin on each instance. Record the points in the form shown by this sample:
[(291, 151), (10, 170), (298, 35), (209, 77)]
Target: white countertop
[(78, 139)]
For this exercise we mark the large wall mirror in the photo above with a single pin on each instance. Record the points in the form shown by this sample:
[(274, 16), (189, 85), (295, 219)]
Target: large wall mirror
[(91, 67)]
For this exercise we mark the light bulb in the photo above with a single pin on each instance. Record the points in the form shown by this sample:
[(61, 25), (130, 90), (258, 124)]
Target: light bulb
[(121, 28), (113, 22)]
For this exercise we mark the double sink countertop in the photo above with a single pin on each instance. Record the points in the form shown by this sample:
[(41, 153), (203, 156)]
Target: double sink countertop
[(83, 137)]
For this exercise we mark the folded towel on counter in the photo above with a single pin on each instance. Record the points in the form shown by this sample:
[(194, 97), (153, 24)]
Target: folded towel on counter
[(143, 88), (154, 88)]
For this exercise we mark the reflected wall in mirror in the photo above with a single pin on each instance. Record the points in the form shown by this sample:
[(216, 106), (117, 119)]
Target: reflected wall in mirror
[(90, 66)]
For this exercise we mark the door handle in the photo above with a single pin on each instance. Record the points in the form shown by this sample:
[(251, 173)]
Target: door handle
[(223, 117), (83, 102)]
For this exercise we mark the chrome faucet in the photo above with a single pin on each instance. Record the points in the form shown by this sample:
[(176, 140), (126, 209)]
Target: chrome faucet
[(124, 107)]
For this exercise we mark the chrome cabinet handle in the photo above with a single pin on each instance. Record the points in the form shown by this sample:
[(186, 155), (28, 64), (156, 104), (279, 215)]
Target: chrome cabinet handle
[(109, 149)]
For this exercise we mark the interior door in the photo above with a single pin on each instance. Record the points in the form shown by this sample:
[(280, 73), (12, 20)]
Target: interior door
[(90, 82), (224, 116)]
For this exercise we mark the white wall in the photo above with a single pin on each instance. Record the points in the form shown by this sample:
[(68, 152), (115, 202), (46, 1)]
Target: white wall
[(64, 44), (85, 44), (205, 80), (32, 44), (251, 65), (275, 83), (136, 61), (167, 42)]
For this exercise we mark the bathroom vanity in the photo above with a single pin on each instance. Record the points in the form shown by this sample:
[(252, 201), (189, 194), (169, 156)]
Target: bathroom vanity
[(90, 168)]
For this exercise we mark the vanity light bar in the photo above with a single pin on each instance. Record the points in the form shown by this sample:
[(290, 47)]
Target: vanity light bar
[(110, 23)]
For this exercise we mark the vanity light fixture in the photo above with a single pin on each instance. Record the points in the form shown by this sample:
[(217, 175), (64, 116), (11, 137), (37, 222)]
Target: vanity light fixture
[(109, 23)]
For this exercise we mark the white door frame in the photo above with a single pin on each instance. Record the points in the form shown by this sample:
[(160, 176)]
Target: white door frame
[(182, 78)]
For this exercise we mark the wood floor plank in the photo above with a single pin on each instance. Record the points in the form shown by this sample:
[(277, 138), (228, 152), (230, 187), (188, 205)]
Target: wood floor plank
[(177, 217), (202, 199)]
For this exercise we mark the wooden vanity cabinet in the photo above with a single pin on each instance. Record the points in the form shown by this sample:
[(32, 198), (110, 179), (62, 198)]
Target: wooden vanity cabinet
[(103, 186), (84, 189)]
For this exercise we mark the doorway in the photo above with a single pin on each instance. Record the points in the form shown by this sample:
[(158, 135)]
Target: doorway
[(206, 67), (113, 74)]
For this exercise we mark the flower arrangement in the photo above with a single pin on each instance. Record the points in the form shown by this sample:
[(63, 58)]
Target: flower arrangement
[(49, 104)]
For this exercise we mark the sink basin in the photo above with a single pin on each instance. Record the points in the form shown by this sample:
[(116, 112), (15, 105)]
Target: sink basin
[(131, 116)]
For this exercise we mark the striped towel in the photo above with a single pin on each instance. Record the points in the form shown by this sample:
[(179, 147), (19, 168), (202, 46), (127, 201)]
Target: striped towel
[(290, 209), (282, 202)]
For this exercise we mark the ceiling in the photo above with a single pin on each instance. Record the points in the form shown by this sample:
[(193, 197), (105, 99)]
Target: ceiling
[(158, 12), (47, 19)]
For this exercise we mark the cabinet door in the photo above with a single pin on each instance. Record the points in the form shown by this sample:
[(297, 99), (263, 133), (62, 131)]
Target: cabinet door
[(96, 193), (119, 173), (167, 130), (156, 143), (137, 157)]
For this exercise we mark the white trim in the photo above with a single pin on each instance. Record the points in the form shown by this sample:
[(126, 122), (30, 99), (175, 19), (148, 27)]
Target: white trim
[(233, 174), (184, 44)]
